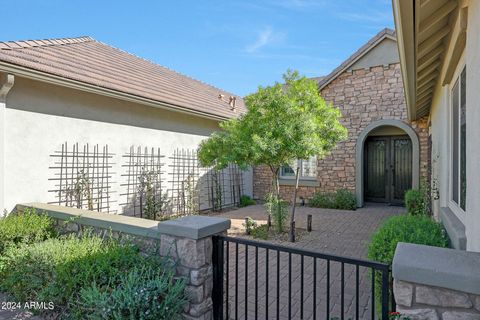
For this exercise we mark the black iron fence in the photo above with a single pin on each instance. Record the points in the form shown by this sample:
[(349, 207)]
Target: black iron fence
[(257, 280)]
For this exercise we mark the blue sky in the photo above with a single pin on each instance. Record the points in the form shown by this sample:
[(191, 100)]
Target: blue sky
[(234, 45)]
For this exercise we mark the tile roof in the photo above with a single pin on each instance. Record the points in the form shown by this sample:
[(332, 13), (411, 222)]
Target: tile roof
[(94, 63), (386, 32)]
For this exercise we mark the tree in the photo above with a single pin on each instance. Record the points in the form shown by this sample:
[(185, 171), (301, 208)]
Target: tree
[(283, 122)]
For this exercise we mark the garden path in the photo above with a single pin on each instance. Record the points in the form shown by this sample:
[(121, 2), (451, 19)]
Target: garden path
[(337, 232)]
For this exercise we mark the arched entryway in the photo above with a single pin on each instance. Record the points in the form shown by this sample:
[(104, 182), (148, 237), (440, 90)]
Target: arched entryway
[(386, 151)]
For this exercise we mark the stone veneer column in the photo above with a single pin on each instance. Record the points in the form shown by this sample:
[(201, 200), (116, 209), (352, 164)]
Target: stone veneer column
[(436, 283), (188, 241)]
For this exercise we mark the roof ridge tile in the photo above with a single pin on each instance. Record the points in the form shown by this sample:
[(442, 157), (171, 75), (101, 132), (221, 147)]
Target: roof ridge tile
[(22, 44)]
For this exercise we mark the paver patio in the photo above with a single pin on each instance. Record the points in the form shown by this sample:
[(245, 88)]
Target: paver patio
[(338, 232)]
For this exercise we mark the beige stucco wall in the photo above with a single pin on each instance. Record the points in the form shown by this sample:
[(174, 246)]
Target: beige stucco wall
[(473, 127), (440, 130), (40, 117), (384, 53)]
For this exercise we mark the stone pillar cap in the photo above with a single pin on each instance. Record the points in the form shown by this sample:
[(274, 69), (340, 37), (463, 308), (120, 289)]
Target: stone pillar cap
[(194, 227), (439, 267)]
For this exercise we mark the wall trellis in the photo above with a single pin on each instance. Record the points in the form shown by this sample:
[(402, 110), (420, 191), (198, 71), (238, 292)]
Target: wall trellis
[(223, 188), (184, 178), (144, 195), (83, 177)]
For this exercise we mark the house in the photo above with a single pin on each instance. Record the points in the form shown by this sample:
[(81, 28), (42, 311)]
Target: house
[(440, 59), (439, 53), (385, 153), (82, 122)]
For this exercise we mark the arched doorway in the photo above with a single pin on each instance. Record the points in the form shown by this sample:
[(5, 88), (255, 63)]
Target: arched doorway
[(387, 162)]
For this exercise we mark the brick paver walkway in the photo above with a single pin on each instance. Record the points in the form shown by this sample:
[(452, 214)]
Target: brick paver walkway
[(338, 232)]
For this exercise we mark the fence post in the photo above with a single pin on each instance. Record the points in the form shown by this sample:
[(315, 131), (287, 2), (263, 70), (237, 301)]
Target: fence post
[(218, 272), (190, 242), (385, 293)]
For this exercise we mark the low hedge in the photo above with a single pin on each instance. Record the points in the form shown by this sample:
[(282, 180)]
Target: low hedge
[(246, 201), (418, 229), (24, 228), (341, 199), (405, 228)]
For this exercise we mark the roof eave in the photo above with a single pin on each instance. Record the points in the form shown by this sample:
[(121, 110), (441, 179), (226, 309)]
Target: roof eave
[(338, 71), (404, 16), (78, 85)]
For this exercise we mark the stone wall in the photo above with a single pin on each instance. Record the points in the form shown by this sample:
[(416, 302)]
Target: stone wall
[(432, 283), (423, 302), (363, 96)]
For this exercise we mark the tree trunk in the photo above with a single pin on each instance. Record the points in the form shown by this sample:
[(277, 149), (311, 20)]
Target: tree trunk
[(276, 190), (292, 216)]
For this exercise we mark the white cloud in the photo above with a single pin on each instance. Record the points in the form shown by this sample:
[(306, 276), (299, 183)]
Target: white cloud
[(265, 37)]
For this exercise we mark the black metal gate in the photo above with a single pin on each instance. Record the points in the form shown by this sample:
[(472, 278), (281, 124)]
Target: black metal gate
[(258, 280)]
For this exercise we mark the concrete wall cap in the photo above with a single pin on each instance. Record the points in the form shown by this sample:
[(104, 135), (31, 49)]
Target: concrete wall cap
[(440, 267), (108, 221), (194, 227)]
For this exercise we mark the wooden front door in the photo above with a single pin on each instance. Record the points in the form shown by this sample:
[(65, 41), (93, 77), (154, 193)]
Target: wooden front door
[(388, 168)]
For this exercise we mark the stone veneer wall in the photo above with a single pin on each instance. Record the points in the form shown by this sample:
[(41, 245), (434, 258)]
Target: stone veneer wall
[(363, 96), (424, 302)]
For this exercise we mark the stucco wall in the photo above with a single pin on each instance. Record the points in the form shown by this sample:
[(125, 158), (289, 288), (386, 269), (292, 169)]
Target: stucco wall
[(440, 130), (473, 128), (40, 117), (384, 53), (363, 96)]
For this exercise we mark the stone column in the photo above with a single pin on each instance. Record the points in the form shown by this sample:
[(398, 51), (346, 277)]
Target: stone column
[(188, 241), (436, 283)]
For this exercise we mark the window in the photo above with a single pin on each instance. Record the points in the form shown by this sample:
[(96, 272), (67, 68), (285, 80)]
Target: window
[(308, 169), (459, 132)]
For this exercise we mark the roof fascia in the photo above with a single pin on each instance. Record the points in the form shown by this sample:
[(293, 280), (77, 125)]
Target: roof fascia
[(404, 16), (78, 85)]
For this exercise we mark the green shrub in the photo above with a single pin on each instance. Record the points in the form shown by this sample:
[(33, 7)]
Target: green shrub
[(24, 228), (345, 200), (341, 199), (405, 228), (143, 293), (55, 269), (58, 269), (278, 211), (260, 232), (323, 200), (246, 201), (416, 201)]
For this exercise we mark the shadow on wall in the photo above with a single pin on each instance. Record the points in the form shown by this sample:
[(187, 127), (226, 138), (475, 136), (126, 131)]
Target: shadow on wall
[(35, 96), (148, 186)]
